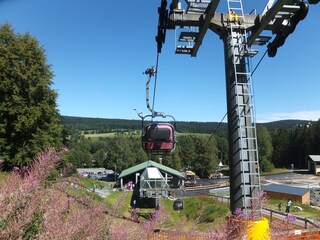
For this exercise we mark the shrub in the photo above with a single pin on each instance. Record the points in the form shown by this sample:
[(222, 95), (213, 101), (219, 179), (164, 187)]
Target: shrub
[(266, 166), (34, 227), (204, 209)]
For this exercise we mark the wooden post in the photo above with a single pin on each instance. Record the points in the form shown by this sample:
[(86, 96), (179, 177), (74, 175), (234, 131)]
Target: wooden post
[(305, 223)]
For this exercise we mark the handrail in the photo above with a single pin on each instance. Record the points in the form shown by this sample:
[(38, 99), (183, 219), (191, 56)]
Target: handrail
[(306, 220)]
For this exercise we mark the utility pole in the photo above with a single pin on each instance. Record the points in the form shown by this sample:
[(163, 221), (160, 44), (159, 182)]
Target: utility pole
[(239, 32)]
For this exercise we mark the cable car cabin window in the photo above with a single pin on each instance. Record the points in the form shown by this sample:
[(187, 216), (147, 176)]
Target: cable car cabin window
[(160, 134), (159, 138)]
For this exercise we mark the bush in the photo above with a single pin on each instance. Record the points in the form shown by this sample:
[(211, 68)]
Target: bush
[(34, 227), (204, 209), (266, 166)]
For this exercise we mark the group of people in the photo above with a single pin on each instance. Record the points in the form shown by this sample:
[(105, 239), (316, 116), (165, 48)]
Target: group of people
[(288, 205)]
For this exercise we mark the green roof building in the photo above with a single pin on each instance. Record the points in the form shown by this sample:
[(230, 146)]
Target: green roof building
[(151, 179)]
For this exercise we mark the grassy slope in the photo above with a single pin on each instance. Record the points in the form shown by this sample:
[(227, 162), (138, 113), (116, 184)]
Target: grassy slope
[(200, 214), (190, 217)]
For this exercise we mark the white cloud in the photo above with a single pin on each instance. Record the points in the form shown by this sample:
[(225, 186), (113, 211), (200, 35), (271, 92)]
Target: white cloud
[(302, 115)]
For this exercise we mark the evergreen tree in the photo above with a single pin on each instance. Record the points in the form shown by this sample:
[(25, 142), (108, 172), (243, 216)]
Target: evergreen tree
[(223, 148), (207, 156), (281, 148), (265, 148), (80, 157), (187, 151), (29, 120), (198, 154), (298, 148), (313, 139), (173, 160), (99, 157)]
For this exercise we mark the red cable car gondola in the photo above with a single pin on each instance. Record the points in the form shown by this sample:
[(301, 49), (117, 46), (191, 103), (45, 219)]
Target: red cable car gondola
[(159, 137)]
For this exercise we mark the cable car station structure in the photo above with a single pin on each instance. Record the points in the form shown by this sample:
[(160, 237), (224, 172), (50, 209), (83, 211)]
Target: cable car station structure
[(239, 32)]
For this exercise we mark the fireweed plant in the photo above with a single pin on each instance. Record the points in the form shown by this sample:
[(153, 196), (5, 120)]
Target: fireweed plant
[(35, 206), (29, 209)]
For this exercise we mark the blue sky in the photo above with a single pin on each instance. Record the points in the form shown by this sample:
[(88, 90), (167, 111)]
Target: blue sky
[(98, 50)]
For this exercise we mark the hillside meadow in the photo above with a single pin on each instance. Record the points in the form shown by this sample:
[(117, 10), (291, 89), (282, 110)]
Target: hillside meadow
[(130, 134)]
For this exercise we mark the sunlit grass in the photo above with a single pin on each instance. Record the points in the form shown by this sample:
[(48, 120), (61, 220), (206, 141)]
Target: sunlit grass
[(307, 210), (277, 170), (127, 134), (3, 175), (119, 202), (90, 182)]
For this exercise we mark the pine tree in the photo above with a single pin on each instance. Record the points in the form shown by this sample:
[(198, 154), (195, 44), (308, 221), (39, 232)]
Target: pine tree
[(29, 119)]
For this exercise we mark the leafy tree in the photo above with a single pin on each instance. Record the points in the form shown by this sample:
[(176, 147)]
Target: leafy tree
[(29, 119), (206, 156), (198, 153), (187, 150), (223, 148), (173, 160), (99, 157), (118, 154), (80, 157), (97, 145), (264, 143), (266, 166), (138, 154), (265, 148)]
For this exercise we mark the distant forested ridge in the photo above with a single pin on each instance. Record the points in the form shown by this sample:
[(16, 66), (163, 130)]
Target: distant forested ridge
[(285, 124), (280, 144), (105, 125), (101, 125)]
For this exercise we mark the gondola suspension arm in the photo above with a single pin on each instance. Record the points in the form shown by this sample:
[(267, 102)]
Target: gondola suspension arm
[(152, 72)]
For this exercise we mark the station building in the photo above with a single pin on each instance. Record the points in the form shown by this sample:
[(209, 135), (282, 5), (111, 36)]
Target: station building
[(285, 192), (150, 181), (150, 170), (314, 164)]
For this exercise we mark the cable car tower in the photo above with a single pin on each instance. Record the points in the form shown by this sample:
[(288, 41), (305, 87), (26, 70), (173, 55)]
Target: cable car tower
[(239, 32)]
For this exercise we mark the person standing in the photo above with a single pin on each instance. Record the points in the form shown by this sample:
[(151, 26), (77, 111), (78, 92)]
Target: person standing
[(288, 204)]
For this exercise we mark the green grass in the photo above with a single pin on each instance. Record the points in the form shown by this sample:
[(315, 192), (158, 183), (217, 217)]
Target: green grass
[(112, 134), (222, 194), (119, 202), (204, 209), (134, 134), (212, 213), (99, 135), (307, 211), (200, 212), (112, 199), (3, 175), (196, 134), (277, 170), (175, 218), (89, 182)]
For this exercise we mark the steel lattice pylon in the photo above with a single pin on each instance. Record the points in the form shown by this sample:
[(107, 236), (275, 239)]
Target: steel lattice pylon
[(239, 32)]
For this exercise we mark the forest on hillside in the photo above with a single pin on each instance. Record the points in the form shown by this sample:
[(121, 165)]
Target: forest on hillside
[(280, 144), (105, 125)]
